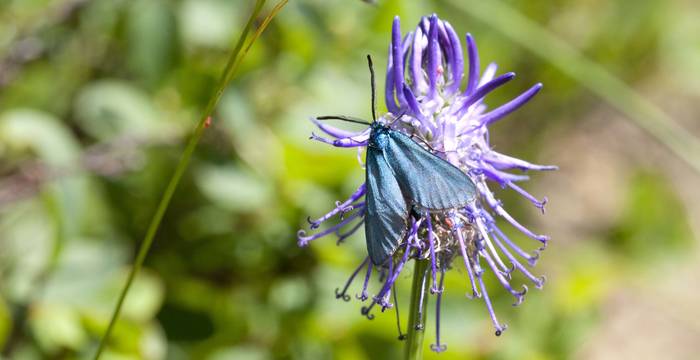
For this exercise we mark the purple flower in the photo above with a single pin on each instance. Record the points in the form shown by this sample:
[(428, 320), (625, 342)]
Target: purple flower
[(423, 89)]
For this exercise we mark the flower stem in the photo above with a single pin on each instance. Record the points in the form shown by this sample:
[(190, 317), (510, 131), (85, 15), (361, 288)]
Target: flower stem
[(417, 312), (229, 72)]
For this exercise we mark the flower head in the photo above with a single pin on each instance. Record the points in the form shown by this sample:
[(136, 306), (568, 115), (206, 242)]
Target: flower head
[(426, 100)]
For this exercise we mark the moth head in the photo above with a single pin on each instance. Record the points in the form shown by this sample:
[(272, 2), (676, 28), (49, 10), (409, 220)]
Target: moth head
[(379, 135)]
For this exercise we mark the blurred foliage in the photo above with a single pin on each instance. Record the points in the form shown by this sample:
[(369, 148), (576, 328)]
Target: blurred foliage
[(225, 279)]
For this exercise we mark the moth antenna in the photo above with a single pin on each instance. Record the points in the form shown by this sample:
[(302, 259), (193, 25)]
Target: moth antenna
[(371, 75), (343, 118), (401, 114), (426, 143)]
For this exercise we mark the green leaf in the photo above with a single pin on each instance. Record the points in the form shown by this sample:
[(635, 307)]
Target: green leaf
[(151, 40), (234, 188), (94, 269), (44, 136), (26, 240), (110, 108), (56, 327), (241, 353), (5, 322), (207, 23), (40, 133)]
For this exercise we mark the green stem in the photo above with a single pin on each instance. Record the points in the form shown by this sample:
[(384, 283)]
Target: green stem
[(417, 313), (235, 59), (569, 60)]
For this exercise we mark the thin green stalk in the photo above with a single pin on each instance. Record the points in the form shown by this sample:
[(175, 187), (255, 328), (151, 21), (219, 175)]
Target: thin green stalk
[(235, 59), (588, 73), (417, 313)]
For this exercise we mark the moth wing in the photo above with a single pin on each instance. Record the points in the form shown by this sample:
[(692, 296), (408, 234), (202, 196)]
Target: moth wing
[(426, 179), (387, 213)]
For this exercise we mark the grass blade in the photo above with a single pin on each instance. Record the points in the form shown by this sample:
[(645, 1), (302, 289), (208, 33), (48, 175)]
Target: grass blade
[(235, 59)]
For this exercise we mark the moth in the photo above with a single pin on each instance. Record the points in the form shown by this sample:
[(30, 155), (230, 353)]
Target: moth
[(403, 179)]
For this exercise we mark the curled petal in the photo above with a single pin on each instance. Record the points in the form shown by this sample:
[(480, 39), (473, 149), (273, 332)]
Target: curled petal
[(473, 54), (483, 90), (433, 56), (339, 133), (509, 107), (303, 239), (457, 64)]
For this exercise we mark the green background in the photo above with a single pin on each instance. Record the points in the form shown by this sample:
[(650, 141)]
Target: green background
[(97, 99)]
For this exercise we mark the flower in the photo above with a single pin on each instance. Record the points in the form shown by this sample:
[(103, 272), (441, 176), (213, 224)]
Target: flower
[(424, 98)]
